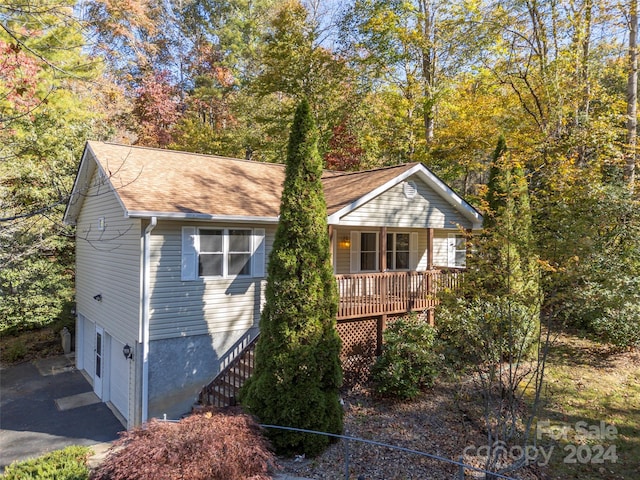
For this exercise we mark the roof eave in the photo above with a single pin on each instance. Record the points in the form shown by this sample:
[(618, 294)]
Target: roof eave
[(431, 179), (201, 217), (74, 203)]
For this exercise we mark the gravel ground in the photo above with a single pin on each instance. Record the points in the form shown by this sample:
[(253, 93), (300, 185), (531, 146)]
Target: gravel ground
[(433, 423)]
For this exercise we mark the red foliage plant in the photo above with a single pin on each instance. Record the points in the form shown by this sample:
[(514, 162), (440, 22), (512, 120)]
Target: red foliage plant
[(157, 109), (18, 77), (345, 154), (212, 445)]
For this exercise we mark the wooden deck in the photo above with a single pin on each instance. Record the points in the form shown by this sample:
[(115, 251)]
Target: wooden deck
[(372, 294)]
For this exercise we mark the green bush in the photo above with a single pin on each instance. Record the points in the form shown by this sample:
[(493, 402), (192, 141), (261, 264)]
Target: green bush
[(408, 362), (15, 352), (488, 330), (67, 464), (607, 302), (619, 326)]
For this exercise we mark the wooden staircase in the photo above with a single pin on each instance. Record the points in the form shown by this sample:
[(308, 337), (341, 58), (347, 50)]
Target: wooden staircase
[(223, 390)]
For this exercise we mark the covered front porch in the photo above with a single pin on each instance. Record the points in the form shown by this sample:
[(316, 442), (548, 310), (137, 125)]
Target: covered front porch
[(394, 270)]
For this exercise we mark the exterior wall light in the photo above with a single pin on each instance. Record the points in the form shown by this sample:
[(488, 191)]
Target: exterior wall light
[(345, 242), (127, 351), (98, 297)]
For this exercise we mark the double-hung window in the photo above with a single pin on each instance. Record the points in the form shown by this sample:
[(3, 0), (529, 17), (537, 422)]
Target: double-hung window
[(222, 252), (368, 251), (398, 251), (401, 252), (457, 252)]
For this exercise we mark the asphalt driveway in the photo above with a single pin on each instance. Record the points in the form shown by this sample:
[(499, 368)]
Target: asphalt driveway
[(46, 405)]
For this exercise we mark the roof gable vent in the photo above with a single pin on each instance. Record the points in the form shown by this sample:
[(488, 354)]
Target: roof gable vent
[(410, 189)]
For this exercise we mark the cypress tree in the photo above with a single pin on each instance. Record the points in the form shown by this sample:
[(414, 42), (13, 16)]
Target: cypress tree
[(507, 239), (298, 370)]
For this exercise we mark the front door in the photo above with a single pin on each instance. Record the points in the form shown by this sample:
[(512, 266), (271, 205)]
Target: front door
[(99, 362)]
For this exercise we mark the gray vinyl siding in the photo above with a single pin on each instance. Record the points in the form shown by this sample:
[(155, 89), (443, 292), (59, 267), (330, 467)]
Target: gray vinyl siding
[(203, 306), (342, 260), (393, 209), (440, 248), (108, 264)]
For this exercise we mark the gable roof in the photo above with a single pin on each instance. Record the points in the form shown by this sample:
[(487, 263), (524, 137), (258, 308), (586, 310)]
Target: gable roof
[(171, 184)]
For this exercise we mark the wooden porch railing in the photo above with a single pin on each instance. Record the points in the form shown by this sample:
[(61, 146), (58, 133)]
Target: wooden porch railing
[(365, 294)]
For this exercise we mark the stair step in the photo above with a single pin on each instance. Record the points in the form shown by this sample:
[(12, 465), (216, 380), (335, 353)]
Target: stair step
[(224, 397), (223, 390)]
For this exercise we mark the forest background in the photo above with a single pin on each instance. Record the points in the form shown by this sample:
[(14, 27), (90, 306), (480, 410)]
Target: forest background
[(388, 81)]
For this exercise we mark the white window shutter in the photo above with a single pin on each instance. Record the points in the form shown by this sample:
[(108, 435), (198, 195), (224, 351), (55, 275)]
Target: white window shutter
[(355, 252), (257, 259), (189, 254), (413, 251)]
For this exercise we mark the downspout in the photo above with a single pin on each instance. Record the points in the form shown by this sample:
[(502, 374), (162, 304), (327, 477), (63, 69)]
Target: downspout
[(146, 296)]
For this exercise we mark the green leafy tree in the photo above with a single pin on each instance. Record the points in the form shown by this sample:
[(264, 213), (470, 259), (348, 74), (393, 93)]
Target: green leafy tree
[(49, 106), (294, 65), (598, 290), (502, 270), (298, 371)]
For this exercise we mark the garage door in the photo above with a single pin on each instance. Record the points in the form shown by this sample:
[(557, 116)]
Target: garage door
[(119, 379)]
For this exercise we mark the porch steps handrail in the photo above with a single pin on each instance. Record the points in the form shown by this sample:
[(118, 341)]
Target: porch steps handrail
[(223, 390)]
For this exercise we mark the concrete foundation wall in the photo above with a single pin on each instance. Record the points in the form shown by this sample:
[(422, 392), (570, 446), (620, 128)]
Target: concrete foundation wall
[(180, 367)]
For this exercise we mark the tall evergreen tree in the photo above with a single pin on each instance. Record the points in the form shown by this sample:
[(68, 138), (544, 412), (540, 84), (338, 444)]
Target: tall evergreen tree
[(298, 370), (507, 238)]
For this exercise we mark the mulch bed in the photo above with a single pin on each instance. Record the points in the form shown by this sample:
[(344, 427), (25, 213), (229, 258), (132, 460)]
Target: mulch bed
[(435, 423)]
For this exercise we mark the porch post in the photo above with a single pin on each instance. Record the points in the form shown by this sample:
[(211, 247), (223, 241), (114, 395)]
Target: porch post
[(382, 263), (429, 248), (332, 241), (382, 254), (382, 325), (430, 289)]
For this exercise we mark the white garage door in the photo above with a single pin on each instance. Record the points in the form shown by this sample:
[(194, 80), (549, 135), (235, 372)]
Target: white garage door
[(119, 379)]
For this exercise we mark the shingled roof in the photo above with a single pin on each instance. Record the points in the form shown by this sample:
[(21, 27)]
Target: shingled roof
[(172, 184)]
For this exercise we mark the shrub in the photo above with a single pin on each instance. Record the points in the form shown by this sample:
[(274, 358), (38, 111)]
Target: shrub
[(15, 352), (212, 445), (607, 303), (488, 330), (408, 361), (67, 464), (619, 326)]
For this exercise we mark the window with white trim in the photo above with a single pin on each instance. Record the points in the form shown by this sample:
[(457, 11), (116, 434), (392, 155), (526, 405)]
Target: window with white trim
[(368, 251), (457, 252), (398, 251), (222, 252)]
